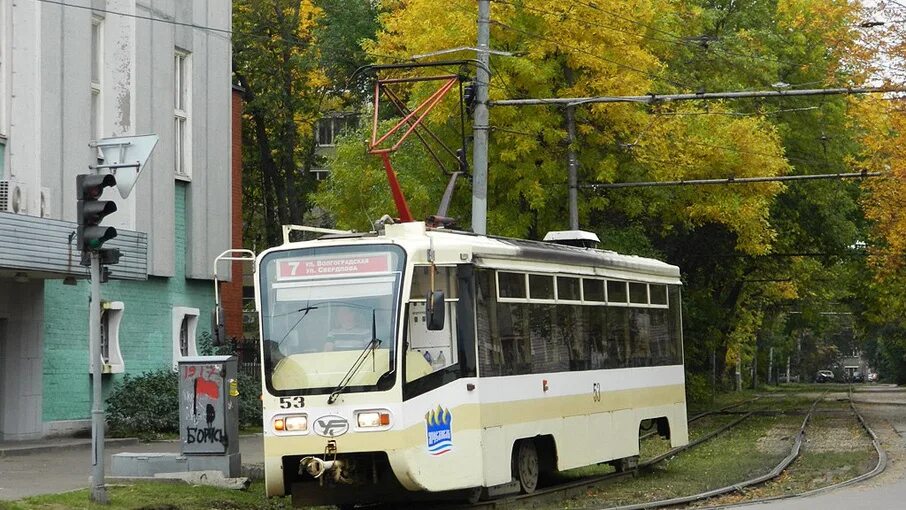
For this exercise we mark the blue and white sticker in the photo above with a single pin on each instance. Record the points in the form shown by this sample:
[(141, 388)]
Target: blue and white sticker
[(439, 430)]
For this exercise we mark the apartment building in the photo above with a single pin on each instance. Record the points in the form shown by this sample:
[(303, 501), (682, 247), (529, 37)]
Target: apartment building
[(73, 71)]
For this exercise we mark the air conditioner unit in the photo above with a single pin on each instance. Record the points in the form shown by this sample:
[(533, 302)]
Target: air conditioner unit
[(44, 203), (13, 197)]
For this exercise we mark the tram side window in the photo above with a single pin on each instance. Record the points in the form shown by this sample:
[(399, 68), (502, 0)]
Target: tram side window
[(675, 324), (662, 352), (531, 337), (512, 285), (490, 350), (578, 336), (430, 351), (640, 337)]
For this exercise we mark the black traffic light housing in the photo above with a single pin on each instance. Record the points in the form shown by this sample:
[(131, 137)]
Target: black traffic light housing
[(91, 236), (469, 96)]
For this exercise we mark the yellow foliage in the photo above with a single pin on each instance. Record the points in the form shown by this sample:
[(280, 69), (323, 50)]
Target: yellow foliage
[(883, 125)]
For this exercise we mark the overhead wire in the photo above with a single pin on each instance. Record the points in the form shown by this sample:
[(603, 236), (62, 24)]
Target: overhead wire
[(140, 17)]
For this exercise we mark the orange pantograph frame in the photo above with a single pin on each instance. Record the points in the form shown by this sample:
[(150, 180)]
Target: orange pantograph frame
[(413, 119)]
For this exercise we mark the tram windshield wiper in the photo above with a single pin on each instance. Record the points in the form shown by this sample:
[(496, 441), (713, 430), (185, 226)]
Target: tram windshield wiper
[(305, 310), (373, 344)]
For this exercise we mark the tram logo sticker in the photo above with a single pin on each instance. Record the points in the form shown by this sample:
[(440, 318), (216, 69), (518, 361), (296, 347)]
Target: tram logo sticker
[(331, 426), (439, 430)]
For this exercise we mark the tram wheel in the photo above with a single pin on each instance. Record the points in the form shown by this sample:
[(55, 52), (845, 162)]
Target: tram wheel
[(526, 465)]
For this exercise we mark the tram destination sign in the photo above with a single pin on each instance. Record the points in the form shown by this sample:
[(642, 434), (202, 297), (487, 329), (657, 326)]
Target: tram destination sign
[(352, 264)]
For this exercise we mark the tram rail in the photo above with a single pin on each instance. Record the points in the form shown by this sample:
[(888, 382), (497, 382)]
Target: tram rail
[(573, 488)]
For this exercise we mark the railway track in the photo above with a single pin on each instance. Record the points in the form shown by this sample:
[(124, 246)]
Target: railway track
[(561, 491), (558, 493)]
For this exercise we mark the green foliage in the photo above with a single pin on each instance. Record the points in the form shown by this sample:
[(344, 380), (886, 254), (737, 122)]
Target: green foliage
[(146, 406), (698, 389), (250, 408), (762, 263)]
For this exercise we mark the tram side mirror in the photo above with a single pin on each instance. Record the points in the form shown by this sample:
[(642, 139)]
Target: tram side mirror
[(435, 310), (218, 331)]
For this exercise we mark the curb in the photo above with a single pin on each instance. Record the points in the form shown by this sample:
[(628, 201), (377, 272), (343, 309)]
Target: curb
[(15, 451)]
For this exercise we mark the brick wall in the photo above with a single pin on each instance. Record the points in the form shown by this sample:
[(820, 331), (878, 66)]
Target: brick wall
[(232, 291), (146, 337)]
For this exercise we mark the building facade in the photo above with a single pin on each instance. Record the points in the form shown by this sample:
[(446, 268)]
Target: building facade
[(76, 71)]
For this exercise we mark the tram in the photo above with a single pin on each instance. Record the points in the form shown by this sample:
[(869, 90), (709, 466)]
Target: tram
[(421, 360)]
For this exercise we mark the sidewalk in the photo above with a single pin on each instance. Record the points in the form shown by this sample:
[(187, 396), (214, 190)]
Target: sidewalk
[(32, 468)]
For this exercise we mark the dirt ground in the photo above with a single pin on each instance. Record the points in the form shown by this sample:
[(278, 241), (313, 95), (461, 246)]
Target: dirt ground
[(884, 409)]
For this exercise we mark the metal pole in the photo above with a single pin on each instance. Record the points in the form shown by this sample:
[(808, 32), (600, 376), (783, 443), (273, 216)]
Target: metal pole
[(770, 364), (98, 490), (573, 168), (480, 123), (738, 373)]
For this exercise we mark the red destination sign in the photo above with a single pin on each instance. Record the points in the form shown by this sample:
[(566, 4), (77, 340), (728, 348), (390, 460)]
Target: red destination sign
[(351, 264)]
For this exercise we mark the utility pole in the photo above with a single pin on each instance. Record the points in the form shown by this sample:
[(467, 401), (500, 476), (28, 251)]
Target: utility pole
[(98, 489), (91, 237), (124, 159), (480, 122), (572, 176)]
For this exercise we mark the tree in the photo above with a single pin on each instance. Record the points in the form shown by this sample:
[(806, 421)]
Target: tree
[(292, 58)]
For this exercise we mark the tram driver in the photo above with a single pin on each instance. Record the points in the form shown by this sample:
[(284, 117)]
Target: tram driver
[(349, 329)]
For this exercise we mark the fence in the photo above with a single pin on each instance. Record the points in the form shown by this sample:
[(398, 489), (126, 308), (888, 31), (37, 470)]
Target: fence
[(249, 354)]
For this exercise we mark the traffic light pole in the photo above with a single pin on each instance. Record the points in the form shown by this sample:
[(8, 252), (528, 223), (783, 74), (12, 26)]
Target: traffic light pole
[(98, 490)]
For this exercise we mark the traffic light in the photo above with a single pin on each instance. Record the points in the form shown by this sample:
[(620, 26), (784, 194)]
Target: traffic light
[(469, 97), (91, 211)]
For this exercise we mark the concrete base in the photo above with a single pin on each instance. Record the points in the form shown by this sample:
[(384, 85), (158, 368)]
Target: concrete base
[(149, 464)]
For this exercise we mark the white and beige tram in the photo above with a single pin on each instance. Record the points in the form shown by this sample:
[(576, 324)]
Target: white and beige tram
[(423, 360)]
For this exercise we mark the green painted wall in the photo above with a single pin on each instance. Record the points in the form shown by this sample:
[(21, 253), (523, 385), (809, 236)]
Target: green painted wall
[(145, 333)]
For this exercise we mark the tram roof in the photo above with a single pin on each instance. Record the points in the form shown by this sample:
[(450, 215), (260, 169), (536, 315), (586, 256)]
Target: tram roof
[(504, 252), (488, 249)]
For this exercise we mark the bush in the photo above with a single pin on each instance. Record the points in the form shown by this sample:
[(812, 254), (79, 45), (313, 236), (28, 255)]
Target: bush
[(249, 401), (145, 406), (698, 390)]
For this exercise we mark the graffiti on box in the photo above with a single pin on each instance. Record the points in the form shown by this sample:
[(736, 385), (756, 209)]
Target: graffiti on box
[(202, 389)]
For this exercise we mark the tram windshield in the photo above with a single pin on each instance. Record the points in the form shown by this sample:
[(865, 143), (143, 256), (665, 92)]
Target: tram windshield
[(322, 310)]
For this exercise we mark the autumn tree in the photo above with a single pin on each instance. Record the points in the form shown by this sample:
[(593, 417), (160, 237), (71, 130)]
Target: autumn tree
[(759, 261), (292, 59)]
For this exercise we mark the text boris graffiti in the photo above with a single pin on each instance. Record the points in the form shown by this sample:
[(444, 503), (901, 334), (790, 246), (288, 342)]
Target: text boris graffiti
[(203, 435)]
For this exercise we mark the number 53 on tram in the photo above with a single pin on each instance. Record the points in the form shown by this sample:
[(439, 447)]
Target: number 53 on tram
[(426, 361)]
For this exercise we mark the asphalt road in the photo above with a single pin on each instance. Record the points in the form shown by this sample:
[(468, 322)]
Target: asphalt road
[(63, 465)]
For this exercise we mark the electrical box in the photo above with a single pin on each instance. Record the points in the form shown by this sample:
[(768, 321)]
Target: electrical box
[(209, 405)]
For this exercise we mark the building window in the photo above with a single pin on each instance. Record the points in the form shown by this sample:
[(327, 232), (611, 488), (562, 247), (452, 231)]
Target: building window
[(185, 322), (97, 72), (329, 128), (111, 356), (182, 87)]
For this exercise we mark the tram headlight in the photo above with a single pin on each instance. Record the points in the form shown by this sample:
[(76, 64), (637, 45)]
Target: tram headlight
[(291, 423), (373, 419)]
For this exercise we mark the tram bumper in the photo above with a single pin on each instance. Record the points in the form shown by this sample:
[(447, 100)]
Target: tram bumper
[(341, 479)]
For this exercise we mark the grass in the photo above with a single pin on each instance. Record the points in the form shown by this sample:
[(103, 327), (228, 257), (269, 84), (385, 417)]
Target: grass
[(726, 459), (157, 496), (836, 450)]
